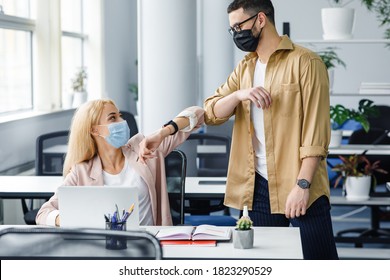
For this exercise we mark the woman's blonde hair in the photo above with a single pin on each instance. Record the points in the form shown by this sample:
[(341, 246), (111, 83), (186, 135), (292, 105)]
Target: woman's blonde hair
[(81, 145)]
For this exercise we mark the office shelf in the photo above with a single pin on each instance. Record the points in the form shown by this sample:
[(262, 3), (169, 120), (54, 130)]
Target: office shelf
[(349, 41)]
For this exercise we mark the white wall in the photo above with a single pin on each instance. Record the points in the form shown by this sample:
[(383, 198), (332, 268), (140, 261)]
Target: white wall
[(120, 51), (365, 62), (17, 140)]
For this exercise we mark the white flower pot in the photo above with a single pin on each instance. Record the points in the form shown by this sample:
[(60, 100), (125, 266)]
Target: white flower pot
[(337, 23), (67, 100), (358, 188), (335, 138), (243, 239), (331, 80), (79, 97)]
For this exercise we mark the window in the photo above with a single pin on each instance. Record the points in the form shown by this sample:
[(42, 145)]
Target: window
[(38, 60), (16, 31), (73, 40)]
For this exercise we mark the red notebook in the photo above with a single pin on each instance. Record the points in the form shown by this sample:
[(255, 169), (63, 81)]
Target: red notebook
[(207, 243)]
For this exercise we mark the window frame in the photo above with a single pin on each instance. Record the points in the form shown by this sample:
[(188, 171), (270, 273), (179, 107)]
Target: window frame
[(27, 25)]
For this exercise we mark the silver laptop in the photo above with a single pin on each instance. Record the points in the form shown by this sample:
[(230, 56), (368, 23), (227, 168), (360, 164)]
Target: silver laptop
[(87, 206)]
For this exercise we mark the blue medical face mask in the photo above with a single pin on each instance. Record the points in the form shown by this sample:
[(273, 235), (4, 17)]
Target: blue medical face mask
[(119, 134)]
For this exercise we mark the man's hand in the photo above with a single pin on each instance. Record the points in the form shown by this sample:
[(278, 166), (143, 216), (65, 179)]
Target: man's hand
[(258, 95), (296, 203)]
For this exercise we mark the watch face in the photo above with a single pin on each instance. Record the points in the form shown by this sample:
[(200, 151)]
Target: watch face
[(304, 184)]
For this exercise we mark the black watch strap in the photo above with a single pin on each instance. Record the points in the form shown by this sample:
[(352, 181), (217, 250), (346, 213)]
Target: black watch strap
[(171, 122)]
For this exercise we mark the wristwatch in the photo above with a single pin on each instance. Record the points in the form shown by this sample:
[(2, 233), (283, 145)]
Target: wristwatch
[(176, 128), (303, 183)]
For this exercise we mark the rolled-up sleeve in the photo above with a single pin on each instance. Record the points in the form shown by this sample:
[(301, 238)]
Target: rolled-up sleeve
[(230, 86), (316, 106)]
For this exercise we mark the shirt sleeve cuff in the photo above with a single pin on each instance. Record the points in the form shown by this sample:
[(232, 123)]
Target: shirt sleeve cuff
[(313, 151), (51, 218), (192, 118)]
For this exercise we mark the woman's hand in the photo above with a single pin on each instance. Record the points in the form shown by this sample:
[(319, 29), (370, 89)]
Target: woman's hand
[(149, 144), (57, 222)]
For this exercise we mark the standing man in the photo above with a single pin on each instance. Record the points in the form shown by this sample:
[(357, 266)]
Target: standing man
[(279, 94)]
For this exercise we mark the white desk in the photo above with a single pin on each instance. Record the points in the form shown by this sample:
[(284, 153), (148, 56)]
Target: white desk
[(359, 149), (374, 234), (214, 187), (269, 243), (56, 149), (29, 186)]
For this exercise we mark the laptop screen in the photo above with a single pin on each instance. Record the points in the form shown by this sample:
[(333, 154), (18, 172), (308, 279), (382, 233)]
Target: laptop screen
[(87, 206)]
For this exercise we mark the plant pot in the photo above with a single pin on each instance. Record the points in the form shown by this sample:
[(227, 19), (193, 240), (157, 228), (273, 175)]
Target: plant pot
[(79, 97), (358, 188), (67, 100), (331, 80), (335, 138), (337, 23), (243, 239)]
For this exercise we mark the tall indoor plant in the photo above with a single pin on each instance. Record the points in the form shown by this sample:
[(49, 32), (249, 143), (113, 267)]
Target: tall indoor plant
[(339, 115)]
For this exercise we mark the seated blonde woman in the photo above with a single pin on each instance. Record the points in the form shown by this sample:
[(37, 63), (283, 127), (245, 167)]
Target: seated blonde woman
[(100, 153)]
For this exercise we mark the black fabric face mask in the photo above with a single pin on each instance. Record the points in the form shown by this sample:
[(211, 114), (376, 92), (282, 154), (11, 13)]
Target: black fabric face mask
[(245, 40)]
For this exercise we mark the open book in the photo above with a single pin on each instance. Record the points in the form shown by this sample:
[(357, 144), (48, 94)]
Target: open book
[(202, 232)]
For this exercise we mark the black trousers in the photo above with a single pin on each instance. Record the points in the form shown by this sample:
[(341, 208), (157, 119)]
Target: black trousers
[(315, 226)]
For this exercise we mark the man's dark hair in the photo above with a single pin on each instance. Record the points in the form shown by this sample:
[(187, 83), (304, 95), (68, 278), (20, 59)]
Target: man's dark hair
[(251, 7)]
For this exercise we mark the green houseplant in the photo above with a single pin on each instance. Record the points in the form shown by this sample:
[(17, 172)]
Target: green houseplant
[(79, 87), (358, 175), (339, 115), (243, 233), (330, 59)]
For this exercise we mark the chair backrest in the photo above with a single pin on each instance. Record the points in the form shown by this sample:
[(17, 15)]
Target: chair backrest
[(377, 136), (207, 155), (383, 119), (59, 243), (129, 118), (50, 153), (49, 161), (175, 171)]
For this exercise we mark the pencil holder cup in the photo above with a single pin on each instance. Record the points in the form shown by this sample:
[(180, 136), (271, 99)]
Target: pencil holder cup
[(115, 242)]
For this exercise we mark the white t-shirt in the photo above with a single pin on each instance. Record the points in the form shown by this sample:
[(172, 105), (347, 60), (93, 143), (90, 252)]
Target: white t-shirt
[(128, 177), (257, 116)]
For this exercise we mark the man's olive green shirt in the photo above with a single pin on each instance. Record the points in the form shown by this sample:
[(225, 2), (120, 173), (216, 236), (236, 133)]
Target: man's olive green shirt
[(296, 125)]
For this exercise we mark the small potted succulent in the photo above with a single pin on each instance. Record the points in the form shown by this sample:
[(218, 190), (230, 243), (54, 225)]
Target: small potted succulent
[(243, 233)]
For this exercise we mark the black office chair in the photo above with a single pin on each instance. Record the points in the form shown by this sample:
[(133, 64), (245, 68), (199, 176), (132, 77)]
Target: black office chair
[(382, 120), (87, 244), (207, 156), (49, 161), (129, 118), (175, 170)]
